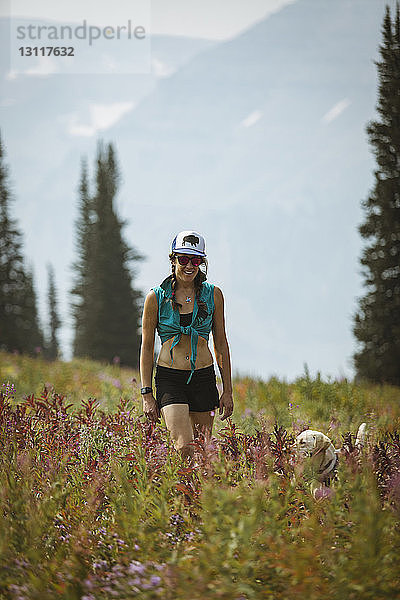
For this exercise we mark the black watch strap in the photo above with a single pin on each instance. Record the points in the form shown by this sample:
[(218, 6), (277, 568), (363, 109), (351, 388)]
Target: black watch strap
[(146, 390)]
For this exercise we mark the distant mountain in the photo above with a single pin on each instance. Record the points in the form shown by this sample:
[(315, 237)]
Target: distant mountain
[(47, 120), (284, 75), (258, 142)]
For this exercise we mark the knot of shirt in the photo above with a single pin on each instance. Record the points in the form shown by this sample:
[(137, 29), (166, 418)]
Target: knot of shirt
[(187, 329)]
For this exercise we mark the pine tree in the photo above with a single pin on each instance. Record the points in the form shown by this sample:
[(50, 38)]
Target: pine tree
[(52, 346), (11, 265), (83, 286), (19, 325), (107, 313), (377, 322), (29, 329)]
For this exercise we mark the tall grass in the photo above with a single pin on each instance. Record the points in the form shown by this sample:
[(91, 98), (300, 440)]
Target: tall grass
[(97, 504)]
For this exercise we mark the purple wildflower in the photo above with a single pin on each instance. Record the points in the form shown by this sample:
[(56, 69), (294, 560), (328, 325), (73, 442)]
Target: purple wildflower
[(136, 567)]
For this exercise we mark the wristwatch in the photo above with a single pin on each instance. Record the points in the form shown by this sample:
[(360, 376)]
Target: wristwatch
[(146, 390)]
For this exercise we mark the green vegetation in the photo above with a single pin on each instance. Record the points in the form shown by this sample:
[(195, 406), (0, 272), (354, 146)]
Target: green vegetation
[(106, 307), (19, 324), (52, 347), (97, 504), (377, 322)]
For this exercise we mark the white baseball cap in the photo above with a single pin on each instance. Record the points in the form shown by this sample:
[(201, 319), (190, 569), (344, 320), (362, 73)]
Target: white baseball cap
[(189, 242)]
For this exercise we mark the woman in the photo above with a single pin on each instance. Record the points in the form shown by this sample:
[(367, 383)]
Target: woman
[(184, 309)]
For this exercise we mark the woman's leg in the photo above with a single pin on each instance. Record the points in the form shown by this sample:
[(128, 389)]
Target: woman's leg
[(203, 401), (179, 425), (202, 422)]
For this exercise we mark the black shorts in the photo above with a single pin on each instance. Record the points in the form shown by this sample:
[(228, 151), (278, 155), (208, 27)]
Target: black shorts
[(201, 393)]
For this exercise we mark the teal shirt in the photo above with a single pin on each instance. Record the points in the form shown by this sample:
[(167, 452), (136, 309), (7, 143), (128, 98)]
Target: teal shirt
[(168, 325)]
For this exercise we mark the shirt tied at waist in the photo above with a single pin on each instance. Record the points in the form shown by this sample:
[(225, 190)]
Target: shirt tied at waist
[(168, 324), (194, 337)]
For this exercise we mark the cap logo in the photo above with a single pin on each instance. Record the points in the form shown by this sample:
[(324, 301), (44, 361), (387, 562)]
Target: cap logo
[(190, 239)]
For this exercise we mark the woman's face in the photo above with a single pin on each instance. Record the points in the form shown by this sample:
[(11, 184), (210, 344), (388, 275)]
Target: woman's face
[(186, 273)]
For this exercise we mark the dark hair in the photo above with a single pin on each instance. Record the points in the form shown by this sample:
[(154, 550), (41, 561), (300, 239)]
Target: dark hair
[(198, 281)]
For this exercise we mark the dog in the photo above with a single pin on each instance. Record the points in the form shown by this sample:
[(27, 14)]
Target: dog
[(323, 456)]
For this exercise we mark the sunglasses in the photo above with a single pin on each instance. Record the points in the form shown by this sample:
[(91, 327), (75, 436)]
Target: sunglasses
[(195, 260)]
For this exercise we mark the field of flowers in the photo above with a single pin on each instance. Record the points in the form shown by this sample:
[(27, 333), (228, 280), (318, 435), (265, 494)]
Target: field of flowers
[(97, 504)]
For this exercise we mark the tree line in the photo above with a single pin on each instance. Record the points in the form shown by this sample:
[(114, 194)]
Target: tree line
[(105, 305)]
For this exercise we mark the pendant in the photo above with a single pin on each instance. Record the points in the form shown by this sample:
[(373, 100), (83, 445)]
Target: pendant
[(188, 298), (187, 357)]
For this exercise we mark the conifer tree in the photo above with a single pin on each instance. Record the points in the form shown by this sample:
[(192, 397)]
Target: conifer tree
[(11, 265), (52, 346), (377, 322), (29, 329), (107, 311), (19, 325), (83, 272)]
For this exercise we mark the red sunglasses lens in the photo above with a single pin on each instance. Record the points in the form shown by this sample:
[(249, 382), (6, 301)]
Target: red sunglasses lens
[(195, 260)]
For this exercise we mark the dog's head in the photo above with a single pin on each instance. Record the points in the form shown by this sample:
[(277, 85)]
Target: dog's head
[(309, 443)]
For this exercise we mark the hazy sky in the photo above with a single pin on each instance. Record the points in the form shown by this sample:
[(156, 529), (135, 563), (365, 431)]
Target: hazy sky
[(206, 19)]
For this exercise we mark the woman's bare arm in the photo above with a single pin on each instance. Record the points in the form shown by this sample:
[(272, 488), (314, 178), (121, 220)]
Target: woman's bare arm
[(222, 354), (149, 324)]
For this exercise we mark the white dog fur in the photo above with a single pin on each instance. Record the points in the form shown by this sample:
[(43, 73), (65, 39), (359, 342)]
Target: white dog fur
[(322, 454)]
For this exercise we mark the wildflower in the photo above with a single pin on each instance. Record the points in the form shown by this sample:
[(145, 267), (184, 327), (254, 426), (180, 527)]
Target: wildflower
[(176, 519), (136, 567), (9, 389), (18, 591)]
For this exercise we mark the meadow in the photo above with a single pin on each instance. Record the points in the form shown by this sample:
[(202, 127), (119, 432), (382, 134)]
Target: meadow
[(96, 503)]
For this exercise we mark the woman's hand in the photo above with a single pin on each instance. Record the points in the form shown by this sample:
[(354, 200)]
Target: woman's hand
[(226, 405), (150, 407)]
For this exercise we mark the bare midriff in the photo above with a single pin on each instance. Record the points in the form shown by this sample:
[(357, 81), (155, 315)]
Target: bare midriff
[(181, 353)]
